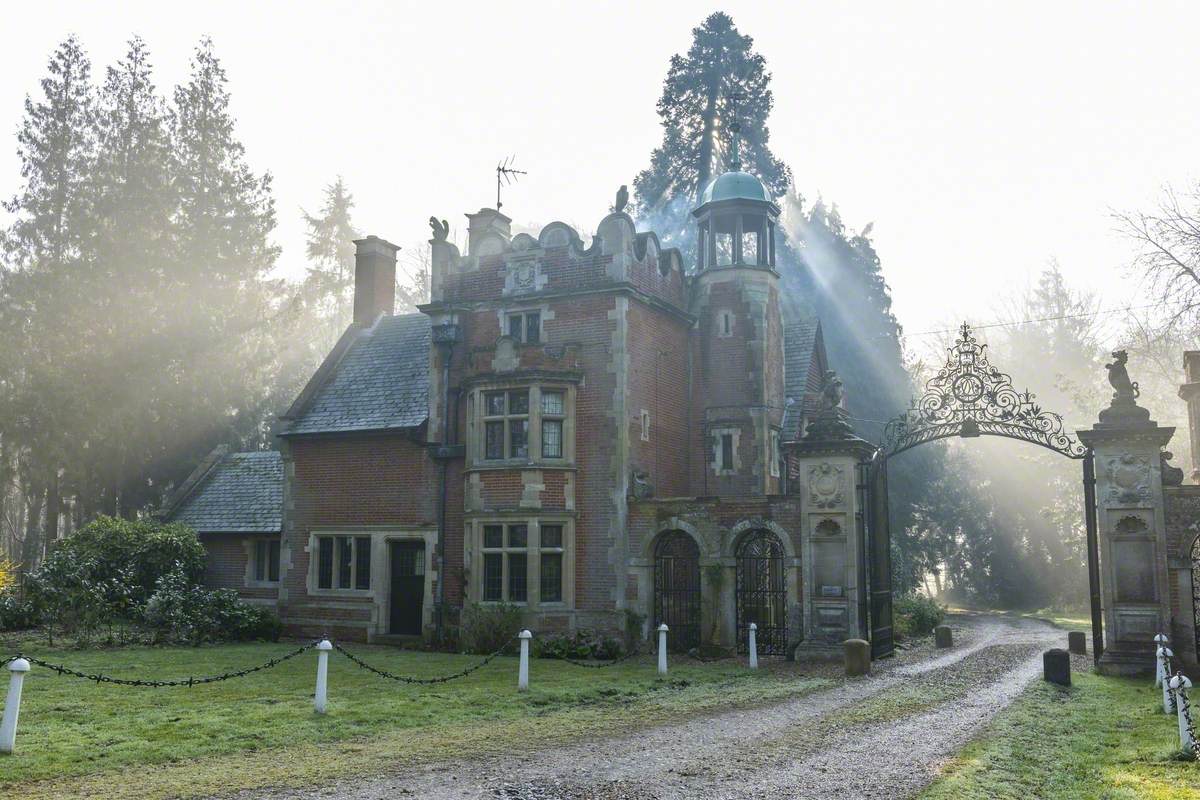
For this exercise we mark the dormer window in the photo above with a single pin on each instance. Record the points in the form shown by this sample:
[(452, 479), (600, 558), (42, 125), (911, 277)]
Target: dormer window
[(526, 327)]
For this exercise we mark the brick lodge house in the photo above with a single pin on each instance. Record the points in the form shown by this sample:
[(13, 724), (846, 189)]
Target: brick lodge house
[(600, 434)]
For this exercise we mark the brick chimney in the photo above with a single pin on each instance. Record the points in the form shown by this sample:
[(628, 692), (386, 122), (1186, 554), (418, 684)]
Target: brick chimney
[(374, 279)]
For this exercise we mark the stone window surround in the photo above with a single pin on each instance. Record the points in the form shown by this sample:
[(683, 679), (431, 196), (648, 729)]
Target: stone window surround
[(543, 310), (476, 439), (726, 323), (249, 543), (775, 455), (719, 468), (381, 579), (473, 557), (645, 419)]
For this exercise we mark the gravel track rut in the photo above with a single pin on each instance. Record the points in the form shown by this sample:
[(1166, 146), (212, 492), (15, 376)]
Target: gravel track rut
[(886, 735)]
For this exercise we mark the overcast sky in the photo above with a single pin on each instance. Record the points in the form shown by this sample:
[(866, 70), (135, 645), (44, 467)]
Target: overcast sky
[(983, 139)]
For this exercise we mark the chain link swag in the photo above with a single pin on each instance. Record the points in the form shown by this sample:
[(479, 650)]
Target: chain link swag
[(383, 673), (190, 681)]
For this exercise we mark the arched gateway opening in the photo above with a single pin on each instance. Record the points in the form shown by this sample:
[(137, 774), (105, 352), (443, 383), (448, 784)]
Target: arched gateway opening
[(967, 398), (677, 588), (761, 592)]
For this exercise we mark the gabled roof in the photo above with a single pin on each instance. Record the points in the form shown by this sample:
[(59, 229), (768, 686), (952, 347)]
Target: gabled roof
[(803, 358), (375, 379), (239, 492)]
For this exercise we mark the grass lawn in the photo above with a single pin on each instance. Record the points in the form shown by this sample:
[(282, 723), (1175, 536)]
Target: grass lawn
[(82, 739), (1103, 738)]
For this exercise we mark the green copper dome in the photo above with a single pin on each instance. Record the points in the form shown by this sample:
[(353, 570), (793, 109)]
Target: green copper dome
[(735, 186)]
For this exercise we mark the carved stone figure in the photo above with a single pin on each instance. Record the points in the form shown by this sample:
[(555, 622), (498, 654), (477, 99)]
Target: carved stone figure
[(640, 485), (622, 199), (831, 391), (1171, 475), (1118, 376), (440, 229)]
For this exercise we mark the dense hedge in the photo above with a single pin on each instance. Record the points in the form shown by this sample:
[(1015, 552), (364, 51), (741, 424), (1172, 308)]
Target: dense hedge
[(916, 615), (120, 580)]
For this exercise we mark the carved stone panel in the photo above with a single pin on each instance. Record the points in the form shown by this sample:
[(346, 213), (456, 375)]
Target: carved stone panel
[(1128, 479), (826, 485)]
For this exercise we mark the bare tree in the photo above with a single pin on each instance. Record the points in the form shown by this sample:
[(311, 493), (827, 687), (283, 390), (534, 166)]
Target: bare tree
[(1168, 258)]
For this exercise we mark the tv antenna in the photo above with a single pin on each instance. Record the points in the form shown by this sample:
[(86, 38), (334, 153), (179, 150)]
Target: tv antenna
[(505, 176)]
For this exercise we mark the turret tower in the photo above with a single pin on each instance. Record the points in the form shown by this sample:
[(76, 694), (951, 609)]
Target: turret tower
[(736, 298)]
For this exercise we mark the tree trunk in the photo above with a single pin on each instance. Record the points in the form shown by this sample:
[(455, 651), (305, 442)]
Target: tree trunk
[(53, 509), (31, 548), (707, 145)]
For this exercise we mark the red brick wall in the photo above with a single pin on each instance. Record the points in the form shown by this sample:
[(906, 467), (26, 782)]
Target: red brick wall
[(353, 480), (659, 382), (225, 567)]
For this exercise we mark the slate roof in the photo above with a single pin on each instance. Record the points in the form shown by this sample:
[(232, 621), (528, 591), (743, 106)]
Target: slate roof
[(243, 492), (799, 353), (380, 382)]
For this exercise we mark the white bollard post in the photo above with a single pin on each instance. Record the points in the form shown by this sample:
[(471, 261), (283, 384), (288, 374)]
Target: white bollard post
[(1164, 654), (1160, 641), (523, 669), (753, 646), (320, 698), (662, 649), (1180, 684), (12, 706)]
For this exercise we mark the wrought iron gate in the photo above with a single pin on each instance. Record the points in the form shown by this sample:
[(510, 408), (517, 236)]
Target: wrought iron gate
[(677, 589), (1196, 588), (967, 398), (879, 560), (761, 592)]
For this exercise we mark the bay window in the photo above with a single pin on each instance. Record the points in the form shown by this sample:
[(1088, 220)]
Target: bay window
[(525, 562), (528, 423)]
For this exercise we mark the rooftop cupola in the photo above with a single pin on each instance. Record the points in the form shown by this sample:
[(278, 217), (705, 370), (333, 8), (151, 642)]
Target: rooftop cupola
[(736, 219)]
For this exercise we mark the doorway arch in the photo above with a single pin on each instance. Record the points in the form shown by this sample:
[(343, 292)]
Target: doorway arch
[(761, 592), (677, 588)]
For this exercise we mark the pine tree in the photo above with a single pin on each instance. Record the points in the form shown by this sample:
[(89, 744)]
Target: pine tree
[(134, 202), (721, 80), (46, 248), (329, 284)]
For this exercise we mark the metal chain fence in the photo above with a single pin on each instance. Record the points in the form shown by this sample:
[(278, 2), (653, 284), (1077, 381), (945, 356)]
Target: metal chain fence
[(383, 673), (190, 681), (1185, 707), (1167, 675), (600, 665)]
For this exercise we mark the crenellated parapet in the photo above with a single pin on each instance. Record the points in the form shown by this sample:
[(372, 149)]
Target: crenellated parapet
[(498, 265)]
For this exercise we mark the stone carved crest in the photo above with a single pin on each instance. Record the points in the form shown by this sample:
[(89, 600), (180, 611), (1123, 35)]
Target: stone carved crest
[(825, 485), (1129, 479)]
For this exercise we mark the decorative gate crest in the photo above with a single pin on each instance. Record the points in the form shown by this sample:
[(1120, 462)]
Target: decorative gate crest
[(969, 397)]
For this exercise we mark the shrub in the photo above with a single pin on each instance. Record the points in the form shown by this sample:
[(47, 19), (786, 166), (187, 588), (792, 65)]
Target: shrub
[(16, 613), (8, 574), (181, 611), (916, 615), (485, 629), (578, 645), (138, 552)]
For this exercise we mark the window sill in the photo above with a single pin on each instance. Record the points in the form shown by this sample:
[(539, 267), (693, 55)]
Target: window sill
[(550, 463), (365, 593), (261, 585)]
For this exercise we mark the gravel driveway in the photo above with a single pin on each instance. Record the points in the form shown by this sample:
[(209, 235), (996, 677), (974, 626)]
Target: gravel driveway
[(882, 736)]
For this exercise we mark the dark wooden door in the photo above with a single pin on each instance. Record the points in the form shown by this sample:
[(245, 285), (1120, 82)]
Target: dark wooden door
[(879, 547), (408, 587)]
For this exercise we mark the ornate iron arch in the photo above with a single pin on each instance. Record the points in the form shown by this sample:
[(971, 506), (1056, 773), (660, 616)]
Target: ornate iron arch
[(969, 397)]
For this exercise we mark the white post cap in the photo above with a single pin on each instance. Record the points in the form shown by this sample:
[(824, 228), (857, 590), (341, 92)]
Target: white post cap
[(1161, 637), (525, 634), (18, 665), (324, 645), (753, 627), (1181, 680), (662, 628), (1167, 651)]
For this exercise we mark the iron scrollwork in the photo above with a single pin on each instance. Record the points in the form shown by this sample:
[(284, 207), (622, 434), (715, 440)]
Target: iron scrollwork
[(969, 397)]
